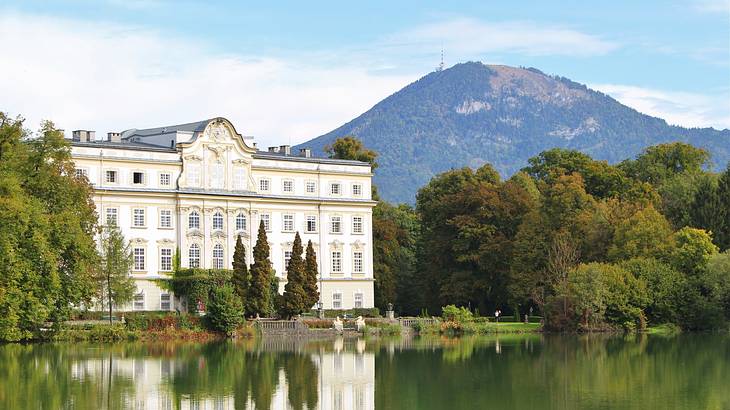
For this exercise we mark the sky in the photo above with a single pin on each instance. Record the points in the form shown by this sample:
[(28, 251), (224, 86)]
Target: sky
[(291, 71)]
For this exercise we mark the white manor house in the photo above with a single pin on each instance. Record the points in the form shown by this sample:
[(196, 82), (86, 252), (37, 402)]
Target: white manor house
[(197, 187)]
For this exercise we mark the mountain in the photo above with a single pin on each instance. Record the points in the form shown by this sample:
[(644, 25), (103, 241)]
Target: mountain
[(474, 113)]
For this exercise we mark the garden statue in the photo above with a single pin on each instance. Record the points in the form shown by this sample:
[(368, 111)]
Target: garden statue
[(359, 323), (337, 324)]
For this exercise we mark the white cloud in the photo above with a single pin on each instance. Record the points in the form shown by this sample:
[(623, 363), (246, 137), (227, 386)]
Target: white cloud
[(713, 6), (466, 36), (110, 77), (677, 108)]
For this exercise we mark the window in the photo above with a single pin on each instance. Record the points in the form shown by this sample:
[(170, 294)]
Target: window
[(264, 184), (357, 224), (337, 261), (239, 178), (335, 188), (166, 259), (111, 177), (194, 174), (165, 301), (310, 187), (112, 216), (358, 300), (138, 217), (165, 218), (240, 222), (217, 176), (287, 258), (217, 221), (138, 178), (139, 259), (335, 224), (81, 173), (194, 256), (194, 220), (337, 300), (139, 301), (165, 179), (266, 219), (288, 186), (357, 262), (287, 223), (356, 190), (311, 223), (218, 256)]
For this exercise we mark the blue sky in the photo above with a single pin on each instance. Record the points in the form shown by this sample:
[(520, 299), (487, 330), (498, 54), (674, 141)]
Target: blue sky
[(295, 70)]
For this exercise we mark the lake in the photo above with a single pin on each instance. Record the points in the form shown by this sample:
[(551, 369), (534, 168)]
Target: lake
[(690, 371)]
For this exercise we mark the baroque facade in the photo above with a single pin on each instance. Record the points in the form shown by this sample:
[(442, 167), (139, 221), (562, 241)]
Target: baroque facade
[(196, 187)]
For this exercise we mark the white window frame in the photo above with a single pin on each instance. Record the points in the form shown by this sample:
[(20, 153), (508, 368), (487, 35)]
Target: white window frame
[(287, 219), (165, 219), (310, 187), (193, 173), (358, 300), (194, 215), (284, 184), (355, 224), (218, 254), (218, 221), (163, 301), (142, 215), (313, 220), (111, 172), (81, 172), (194, 255), (337, 300), (338, 191), (239, 177), (166, 259), (143, 176), (287, 257), (264, 181), (241, 222), (335, 220), (336, 261), (116, 216), (357, 190), (266, 217), (165, 179), (358, 263), (138, 301), (140, 259), (217, 175)]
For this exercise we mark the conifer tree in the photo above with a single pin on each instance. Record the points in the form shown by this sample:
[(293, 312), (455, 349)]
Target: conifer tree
[(295, 298), (706, 211), (240, 270), (310, 276), (722, 236), (259, 295)]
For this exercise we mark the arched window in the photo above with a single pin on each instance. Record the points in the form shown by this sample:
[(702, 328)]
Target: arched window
[(218, 256), (194, 220), (240, 222), (194, 256), (217, 221)]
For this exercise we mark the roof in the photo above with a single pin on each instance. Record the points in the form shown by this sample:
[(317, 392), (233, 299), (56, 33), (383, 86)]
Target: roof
[(191, 127), (281, 156)]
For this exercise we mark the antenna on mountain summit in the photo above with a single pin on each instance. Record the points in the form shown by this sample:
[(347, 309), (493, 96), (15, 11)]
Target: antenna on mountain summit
[(441, 65)]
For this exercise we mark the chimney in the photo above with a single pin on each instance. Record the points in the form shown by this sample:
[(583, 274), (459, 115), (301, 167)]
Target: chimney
[(273, 149), (81, 135), (285, 149), (114, 137), (305, 152)]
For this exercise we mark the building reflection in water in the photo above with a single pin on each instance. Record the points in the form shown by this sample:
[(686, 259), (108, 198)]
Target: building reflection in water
[(335, 375)]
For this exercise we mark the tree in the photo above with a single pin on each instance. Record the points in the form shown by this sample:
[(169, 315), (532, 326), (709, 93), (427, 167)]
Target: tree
[(722, 233), (295, 299), (661, 162), (311, 274), (349, 147), (692, 250), (240, 270), (116, 287), (225, 310), (664, 288), (706, 209), (259, 290), (644, 234)]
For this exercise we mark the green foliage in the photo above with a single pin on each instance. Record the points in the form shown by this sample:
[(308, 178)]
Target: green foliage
[(693, 249), (452, 313), (241, 277), (664, 286), (311, 273), (295, 299), (197, 284), (225, 309), (645, 234), (658, 163), (349, 147), (259, 291), (115, 286)]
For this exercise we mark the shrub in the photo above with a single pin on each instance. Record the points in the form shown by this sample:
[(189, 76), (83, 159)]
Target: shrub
[(456, 314), (373, 312), (451, 327), (225, 310)]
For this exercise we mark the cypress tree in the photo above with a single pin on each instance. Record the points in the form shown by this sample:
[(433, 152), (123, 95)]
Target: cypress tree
[(240, 270), (295, 298), (722, 236), (310, 276), (259, 295)]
